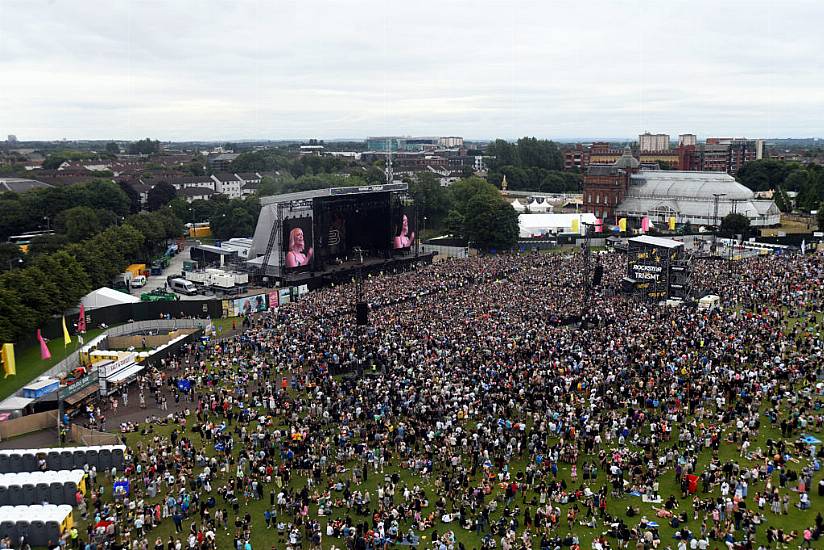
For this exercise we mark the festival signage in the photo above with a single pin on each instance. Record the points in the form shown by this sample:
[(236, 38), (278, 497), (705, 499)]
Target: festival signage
[(647, 272)]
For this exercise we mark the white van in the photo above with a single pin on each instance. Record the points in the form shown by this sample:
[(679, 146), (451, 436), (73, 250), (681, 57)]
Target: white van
[(138, 281), (182, 286)]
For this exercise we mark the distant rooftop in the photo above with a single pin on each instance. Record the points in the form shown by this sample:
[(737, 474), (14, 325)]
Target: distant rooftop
[(21, 185)]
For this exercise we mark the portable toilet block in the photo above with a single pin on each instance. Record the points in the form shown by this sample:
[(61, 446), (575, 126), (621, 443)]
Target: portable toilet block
[(38, 536), (119, 457), (42, 493), (69, 492), (66, 460), (79, 458), (104, 458), (16, 463), (91, 457), (29, 496), (23, 527), (29, 461), (15, 494), (8, 528), (4, 463), (53, 460), (57, 494)]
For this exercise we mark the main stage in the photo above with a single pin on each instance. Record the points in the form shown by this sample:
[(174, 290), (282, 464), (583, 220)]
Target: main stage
[(345, 271), (323, 236)]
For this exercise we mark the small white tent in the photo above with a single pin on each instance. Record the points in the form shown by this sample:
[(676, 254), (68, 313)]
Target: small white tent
[(539, 225), (105, 296), (536, 207), (516, 204)]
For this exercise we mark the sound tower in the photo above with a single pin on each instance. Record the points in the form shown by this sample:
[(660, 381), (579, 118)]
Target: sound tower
[(597, 275), (362, 314)]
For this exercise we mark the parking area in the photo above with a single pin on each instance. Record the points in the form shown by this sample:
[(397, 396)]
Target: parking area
[(175, 268)]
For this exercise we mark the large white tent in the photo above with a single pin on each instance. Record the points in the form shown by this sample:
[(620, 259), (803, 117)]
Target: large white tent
[(105, 296), (538, 225)]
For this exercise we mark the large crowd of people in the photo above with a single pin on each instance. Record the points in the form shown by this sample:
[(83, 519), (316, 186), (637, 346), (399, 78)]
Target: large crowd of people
[(470, 414)]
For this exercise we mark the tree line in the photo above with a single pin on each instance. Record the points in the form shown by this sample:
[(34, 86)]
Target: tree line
[(52, 279), (52, 207), (780, 176), (530, 164), (470, 209)]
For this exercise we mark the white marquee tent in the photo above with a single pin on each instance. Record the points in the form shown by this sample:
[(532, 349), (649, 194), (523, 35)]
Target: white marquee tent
[(105, 296), (538, 225)]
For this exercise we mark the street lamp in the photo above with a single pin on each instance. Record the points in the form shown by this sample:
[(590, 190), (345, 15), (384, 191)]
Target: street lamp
[(11, 263), (48, 223)]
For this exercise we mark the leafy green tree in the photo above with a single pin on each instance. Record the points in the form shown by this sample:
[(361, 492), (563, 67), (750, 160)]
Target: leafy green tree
[(236, 218), (113, 148), (10, 254), (431, 198), (151, 228), (734, 224), (13, 215), (67, 275), (144, 147), (160, 195), (15, 318), (464, 190), (268, 186), (78, 223), (490, 222), (47, 244), (820, 216), (196, 168), (375, 175), (133, 196), (106, 195), (782, 200), (267, 160), (454, 223)]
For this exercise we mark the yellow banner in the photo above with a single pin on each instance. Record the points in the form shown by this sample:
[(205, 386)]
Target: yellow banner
[(622, 225), (66, 338), (575, 225), (672, 223), (8, 360)]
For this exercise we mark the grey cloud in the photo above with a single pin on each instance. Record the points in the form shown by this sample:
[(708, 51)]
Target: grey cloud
[(211, 69)]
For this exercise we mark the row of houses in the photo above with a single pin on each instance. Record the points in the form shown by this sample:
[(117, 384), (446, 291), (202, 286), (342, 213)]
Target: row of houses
[(191, 188)]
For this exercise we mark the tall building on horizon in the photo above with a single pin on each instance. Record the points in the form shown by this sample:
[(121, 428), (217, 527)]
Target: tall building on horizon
[(653, 142), (687, 139)]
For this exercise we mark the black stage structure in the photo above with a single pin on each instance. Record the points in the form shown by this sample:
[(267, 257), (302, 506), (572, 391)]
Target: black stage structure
[(326, 236), (658, 268)]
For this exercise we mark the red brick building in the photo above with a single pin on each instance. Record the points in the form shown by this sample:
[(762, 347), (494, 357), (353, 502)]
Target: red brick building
[(605, 185)]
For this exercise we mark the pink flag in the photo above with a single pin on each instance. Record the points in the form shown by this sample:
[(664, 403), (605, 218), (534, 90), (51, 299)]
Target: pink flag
[(599, 225), (81, 320), (645, 224), (44, 349)]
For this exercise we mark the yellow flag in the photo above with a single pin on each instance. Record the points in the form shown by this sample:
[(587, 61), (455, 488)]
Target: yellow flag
[(672, 223), (575, 225), (8, 360), (66, 338), (622, 225)]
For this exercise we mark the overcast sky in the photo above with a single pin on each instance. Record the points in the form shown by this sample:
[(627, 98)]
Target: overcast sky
[(249, 69)]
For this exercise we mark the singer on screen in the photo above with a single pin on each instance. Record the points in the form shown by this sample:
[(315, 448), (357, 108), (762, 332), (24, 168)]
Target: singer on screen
[(296, 257), (403, 238)]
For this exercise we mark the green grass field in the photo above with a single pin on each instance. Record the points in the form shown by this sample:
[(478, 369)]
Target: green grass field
[(261, 538), (30, 366)]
